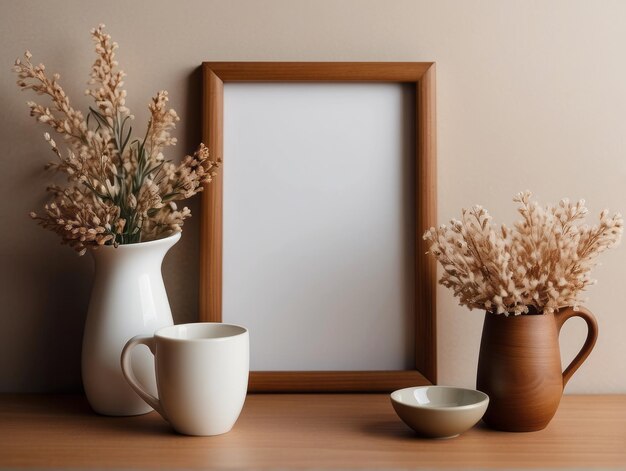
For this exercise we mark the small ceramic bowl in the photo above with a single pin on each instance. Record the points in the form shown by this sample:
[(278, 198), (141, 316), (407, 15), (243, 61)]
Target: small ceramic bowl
[(439, 411)]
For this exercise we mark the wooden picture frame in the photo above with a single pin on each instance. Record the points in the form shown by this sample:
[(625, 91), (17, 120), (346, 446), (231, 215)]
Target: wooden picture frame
[(422, 75)]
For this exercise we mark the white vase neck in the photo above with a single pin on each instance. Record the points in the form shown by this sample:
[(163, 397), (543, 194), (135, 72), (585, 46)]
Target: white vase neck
[(151, 252)]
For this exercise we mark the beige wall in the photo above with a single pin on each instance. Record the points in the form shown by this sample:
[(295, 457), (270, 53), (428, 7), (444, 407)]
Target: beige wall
[(531, 94)]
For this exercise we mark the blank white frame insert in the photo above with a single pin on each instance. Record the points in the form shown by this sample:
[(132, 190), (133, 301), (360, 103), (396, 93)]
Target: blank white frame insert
[(318, 224)]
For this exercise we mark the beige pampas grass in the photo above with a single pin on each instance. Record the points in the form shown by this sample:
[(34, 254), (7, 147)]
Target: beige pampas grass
[(120, 189), (540, 265)]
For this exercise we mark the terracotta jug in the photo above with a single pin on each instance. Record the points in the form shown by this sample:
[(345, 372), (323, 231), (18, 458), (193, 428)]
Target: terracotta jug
[(519, 367)]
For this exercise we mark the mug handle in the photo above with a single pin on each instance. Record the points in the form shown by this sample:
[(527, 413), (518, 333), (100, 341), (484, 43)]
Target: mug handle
[(592, 336), (127, 370)]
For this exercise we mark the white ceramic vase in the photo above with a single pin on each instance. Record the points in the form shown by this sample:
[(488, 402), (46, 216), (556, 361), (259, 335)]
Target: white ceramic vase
[(128, 299)]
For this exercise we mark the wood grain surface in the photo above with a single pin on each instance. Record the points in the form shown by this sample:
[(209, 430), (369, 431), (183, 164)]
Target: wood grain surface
[(210, 277), (426, 217), (337, 431), (336, 381), (318, 71)]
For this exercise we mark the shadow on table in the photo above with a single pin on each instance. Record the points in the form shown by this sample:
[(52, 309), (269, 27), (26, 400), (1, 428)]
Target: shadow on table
[(147, 424), (76, 408), (390, 428), (396, 429)]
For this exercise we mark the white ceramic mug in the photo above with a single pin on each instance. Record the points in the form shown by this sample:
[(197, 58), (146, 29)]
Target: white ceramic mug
[(202, 375)]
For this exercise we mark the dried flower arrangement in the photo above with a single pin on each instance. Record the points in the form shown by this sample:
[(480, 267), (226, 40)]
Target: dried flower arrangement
[(540, 265), (120, 190)]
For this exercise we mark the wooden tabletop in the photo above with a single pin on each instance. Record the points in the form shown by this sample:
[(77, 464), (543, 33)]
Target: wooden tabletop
[(302, 431)]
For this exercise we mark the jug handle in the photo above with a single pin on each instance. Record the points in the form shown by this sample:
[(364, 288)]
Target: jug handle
[(592, 335)]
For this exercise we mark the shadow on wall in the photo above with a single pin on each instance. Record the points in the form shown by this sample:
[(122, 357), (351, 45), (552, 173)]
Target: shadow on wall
[(52, 288), (180, 268), (63, 310), (192, 121)]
